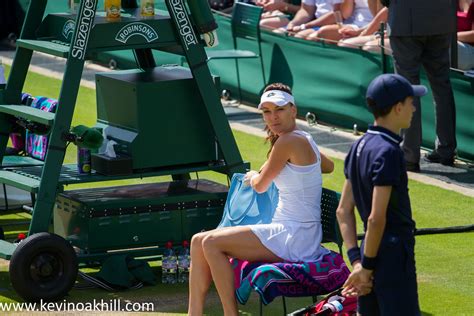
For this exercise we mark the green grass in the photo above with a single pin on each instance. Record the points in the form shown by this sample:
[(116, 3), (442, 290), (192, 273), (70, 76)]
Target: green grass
[(444, 262)]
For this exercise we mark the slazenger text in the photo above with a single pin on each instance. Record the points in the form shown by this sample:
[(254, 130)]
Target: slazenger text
[(85, 24), (184, 25)]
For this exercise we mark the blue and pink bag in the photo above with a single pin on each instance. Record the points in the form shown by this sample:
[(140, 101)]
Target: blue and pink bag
[(36, 145)]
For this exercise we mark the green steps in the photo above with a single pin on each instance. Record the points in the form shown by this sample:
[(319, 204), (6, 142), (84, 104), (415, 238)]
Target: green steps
[(24, 182), (55, 48), (29, 113), (6, 249)]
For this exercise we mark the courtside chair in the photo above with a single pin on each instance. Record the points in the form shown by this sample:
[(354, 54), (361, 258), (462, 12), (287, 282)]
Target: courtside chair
[(245, 25), (331, 232), (329, 204)]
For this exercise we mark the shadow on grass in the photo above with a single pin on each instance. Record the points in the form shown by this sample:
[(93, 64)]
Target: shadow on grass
[(165, 298)]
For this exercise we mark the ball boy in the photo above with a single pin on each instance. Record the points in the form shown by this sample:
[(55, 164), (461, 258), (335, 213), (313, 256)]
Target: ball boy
[(384, 275)]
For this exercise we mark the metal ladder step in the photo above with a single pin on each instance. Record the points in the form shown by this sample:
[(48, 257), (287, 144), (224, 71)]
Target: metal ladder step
[(29, 113), (55, 48), (6, 249), (24, 182)]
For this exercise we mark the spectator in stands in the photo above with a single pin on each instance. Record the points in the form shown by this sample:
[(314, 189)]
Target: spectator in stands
[(465, 16), (369, 38), (355, 14), (465, 35), (295, 165), (275, 10), (311, 14), (420, 35)]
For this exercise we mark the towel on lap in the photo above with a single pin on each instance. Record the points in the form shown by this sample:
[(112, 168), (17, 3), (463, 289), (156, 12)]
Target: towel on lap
[(271, 280)]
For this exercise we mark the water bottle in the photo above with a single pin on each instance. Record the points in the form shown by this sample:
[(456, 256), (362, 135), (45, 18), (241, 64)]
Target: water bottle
[(184, 260), (74, 6), (332, 306), (168, 265), (112, 9), (147, 8)]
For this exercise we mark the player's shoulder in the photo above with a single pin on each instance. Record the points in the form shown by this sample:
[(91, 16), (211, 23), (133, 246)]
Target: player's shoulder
[(291, 139)]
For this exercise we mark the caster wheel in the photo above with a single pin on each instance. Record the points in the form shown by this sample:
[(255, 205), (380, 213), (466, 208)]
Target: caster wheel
[(113, 64), (12, 38), (225, 94), (43, 266)]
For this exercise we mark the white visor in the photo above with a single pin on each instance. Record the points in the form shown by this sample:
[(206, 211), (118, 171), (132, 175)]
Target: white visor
[(277, 97)]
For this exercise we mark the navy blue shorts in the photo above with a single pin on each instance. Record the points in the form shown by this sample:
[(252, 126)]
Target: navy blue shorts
[(395, 288)]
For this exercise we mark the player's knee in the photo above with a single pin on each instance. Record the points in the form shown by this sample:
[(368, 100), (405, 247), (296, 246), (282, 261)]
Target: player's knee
[(196, 240), (209, 243)]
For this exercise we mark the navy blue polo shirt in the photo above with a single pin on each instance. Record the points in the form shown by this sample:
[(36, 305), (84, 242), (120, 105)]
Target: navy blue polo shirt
[(377, 160)]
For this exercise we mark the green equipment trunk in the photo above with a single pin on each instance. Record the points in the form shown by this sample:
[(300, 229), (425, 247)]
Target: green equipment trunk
[(144, 215)]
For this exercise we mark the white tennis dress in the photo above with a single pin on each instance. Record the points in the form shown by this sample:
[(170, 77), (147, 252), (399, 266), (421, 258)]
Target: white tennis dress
[(295, 232)]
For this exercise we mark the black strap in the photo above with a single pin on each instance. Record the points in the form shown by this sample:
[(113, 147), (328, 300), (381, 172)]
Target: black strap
[(198, 65), (95, 283), (52, 147)]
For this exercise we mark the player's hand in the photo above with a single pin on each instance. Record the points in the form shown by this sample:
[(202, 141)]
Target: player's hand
[(249, 176), (359, 282)]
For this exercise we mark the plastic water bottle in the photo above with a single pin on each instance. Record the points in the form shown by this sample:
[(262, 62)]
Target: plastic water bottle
[(184, 260), (168, 265), (332, 306), (147, 8), (74, 6)]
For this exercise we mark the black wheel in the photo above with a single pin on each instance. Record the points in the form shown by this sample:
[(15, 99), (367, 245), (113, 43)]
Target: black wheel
[(225, 94), (113, 64), (43, 266), (12, 38)]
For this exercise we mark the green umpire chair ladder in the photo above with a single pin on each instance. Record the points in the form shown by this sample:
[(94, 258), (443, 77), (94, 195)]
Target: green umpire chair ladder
[(44, 265)]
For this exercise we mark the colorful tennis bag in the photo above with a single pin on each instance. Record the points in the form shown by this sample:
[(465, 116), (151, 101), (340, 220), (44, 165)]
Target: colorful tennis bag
[(36, 145)]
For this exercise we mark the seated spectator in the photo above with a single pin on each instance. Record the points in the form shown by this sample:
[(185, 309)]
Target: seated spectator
[(277, 12), (369, 39), (311, 14), (355, 14), (465, 34)]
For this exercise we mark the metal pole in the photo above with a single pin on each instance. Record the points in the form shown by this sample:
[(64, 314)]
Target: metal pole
[(382, 47)]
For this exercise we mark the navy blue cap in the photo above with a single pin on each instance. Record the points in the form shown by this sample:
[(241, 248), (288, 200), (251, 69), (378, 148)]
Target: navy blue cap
[(389, 89)]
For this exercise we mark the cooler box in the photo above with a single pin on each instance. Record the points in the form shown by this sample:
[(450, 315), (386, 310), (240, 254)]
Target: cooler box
[(124, 217)]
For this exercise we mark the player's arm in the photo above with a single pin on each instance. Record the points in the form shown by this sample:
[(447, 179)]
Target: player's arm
[(359, 282), (377, 219), (279, 156), (346, 217)]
